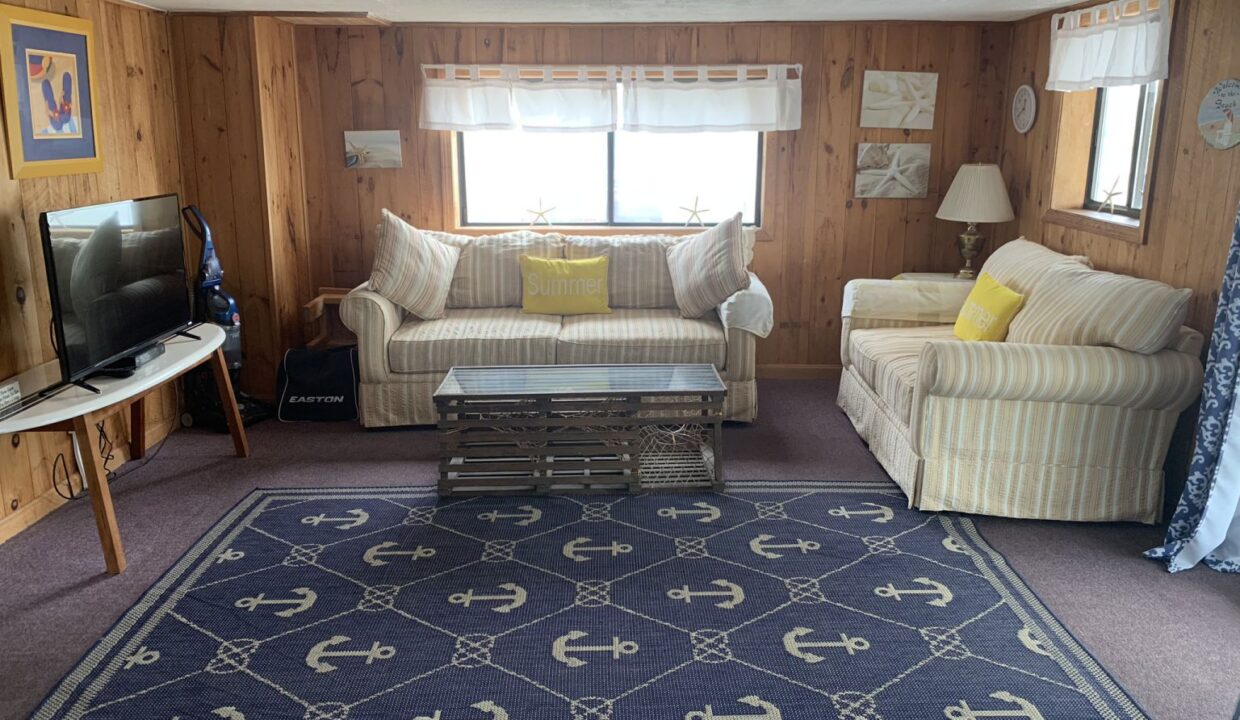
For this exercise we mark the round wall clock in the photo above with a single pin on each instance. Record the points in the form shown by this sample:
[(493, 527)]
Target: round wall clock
[(1216, 118), (1024, 108)]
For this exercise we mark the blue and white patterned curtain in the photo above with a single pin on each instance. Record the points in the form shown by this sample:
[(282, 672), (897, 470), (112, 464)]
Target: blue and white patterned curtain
[(1206, 525)]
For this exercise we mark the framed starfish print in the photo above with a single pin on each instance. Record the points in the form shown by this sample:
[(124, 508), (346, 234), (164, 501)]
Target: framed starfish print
[(49, 100), (898, 99), (892, 170)]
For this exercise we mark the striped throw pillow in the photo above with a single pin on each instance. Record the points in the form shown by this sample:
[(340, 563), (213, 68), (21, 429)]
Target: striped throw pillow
[(489, 271), (1074, 305), (411, 269), (637, 268), (708, 268)]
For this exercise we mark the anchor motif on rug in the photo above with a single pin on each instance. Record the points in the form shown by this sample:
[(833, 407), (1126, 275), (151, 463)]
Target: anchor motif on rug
[(514, 599), (1031, 643), (706, 512), (762, 546), (228, 712), (356, 517), (884, 513), (528, 516), (314, 658), (300, 604), (1023, 709), (734, 593), (573, 549), (486, 706), (953, 545), (769, 711), (796, 646), (560, 649), (935, 588), (374, 556), (142, 656), (229, 555)]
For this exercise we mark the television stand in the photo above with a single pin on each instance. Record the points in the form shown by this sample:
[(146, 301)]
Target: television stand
[(187, 334), (77, 410), (86, 386)]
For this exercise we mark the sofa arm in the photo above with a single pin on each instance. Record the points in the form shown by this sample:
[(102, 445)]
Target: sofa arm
[(374, 319), (898, 303), (1166, 380), (750, 309)]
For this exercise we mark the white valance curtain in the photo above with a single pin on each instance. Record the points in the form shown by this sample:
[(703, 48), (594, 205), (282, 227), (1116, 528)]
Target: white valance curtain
[(587, 98), (508, 98), (712, 99), (1124, 42)]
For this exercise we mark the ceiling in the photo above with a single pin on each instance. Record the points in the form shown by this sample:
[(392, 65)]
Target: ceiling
[(638, 11)]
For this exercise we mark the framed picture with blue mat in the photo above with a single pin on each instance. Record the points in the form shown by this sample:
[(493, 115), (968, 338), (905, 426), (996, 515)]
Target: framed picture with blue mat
[(49, 100), (770, 601)]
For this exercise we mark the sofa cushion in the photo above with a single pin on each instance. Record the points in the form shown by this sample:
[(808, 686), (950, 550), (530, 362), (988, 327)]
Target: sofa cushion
[(1075, 305), (886, 359), (474, 336), (707, 268), (1020, 264), (632, 335), (411, 269), (637, 275), (488, 273), (553, 286)]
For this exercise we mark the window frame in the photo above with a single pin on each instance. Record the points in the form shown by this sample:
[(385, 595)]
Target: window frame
[(611, 222), (1147, 123)]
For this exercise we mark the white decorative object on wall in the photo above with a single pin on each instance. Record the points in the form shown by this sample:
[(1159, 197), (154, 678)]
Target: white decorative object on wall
[(712, 98), (372, 149), (1115, 43), (893, 170), (585, 98), (1024, 108), (1216, 118), (898, 99)]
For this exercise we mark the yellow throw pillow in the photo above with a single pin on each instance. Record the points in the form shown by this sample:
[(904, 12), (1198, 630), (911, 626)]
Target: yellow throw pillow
[(564, 287), (987, 311)]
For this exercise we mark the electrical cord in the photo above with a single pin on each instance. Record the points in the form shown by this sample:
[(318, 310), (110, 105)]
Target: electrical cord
[(63, 464)]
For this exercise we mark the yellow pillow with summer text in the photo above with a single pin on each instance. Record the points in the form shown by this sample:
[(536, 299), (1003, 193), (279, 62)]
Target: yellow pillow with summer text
[(988, 311), (552, 286)]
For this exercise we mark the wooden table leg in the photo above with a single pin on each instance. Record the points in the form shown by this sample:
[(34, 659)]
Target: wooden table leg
[(100, 497), (137, 429), (228, 401)]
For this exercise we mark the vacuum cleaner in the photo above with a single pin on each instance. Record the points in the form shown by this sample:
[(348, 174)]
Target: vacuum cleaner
[(213, 305)]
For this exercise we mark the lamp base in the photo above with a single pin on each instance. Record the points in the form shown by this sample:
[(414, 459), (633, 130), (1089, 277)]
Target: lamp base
[(970, 245)]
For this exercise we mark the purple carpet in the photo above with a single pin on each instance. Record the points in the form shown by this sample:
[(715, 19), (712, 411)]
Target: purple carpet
[(1172, 641)]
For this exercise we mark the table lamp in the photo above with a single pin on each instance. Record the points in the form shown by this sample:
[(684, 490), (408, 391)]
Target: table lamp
[(977, 195)]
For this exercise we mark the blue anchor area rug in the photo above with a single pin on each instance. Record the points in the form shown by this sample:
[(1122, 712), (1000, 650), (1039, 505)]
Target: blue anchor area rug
[(767, 602)]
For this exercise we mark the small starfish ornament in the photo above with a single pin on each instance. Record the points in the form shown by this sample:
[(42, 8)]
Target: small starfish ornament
[(540, 214), (1111, 195), (695, 212)]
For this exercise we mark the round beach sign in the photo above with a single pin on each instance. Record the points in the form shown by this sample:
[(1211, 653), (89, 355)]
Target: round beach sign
[(1218, 116)]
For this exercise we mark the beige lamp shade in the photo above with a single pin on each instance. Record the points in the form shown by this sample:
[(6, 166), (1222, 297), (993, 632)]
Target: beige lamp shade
[(977, 195)]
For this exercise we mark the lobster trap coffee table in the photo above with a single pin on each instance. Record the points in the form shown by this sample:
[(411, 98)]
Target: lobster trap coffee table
[(563, 428)]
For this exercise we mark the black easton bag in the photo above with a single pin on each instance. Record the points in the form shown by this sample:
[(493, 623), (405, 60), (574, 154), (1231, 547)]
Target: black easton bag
[(318, 385)]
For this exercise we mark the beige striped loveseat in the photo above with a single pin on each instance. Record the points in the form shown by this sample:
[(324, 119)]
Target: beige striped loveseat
[(1057, 422), (403, 358)]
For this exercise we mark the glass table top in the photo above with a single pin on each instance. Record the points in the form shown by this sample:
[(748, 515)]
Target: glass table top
[(535, 380)]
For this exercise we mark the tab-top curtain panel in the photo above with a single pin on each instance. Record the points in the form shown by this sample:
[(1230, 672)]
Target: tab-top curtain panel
[(587, 99), (1124, 42), (506, 98), (662, 99)]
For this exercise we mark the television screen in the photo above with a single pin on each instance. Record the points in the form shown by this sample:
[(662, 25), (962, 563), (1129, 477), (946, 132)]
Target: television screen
[(117, 278)]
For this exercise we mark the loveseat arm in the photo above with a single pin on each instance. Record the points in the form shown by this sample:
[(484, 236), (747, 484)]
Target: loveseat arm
[(374, 319), (1166, 380), (871, 303), (750, 309)]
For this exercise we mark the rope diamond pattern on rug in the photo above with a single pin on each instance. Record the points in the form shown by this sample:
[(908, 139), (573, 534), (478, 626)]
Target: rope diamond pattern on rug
[(786, 603)]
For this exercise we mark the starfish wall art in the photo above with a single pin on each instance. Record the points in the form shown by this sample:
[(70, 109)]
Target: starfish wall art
[(898, 99), (893, 170)]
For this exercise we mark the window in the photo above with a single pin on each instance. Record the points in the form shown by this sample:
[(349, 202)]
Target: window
[(620, 178), (1120, 154)]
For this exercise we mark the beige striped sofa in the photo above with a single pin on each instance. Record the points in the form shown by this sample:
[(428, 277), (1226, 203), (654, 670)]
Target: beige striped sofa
[(403, 359), (1056, 422)]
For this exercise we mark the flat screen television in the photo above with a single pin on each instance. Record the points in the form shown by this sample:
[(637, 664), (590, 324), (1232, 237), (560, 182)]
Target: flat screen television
[(118, 281)]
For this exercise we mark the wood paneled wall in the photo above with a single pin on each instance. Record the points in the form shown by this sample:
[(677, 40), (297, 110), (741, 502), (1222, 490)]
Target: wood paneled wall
[(138, 138), (364, 78), (1195, 189), (241, 164)]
